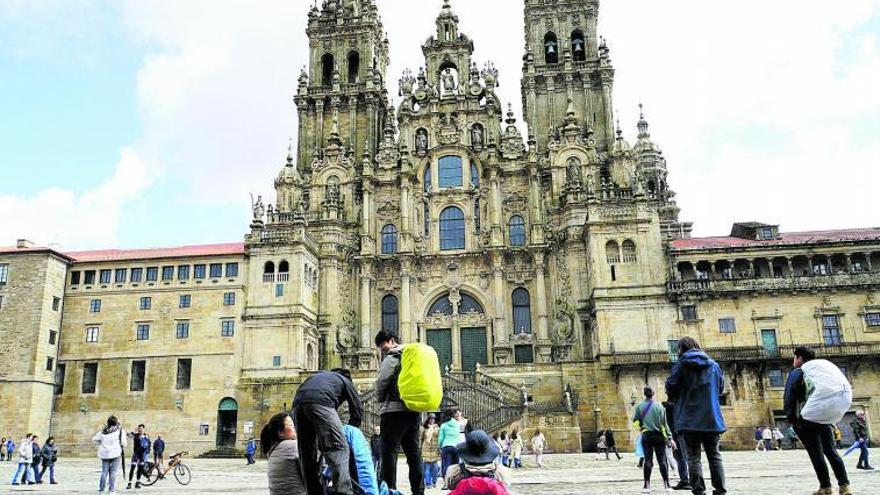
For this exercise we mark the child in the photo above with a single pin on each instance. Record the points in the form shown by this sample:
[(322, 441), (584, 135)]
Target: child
[(516, 448)]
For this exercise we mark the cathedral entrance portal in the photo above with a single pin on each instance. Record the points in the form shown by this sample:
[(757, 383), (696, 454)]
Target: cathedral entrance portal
[(473, 348), (441, 341), (457, 327), (227, 419)]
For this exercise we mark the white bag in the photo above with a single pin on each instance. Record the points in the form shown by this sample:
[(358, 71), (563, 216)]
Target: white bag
[(829, 394)]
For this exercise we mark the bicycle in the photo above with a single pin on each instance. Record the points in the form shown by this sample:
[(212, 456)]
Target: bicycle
[(182, 473)]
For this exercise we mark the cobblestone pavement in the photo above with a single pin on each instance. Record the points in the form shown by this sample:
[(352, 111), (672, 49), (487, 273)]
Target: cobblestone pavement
[(753, 473)]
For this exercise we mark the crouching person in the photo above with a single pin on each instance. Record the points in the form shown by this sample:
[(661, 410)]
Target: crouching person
[(478, 473), (319, 427)]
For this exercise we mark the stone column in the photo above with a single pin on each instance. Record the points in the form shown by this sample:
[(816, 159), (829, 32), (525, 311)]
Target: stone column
[(541, 297), (499, 327), (366, 320), (868, 261), (752, 268), (405, 218), (352, 124), (810, 264), (848, 263), (497, 235), (319, 132), (406, 330), (537, 233), (790, 266), (731, 264)]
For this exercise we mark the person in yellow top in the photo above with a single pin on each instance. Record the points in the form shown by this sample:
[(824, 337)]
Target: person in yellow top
[(430, 451), (838, 436), (650, 418)]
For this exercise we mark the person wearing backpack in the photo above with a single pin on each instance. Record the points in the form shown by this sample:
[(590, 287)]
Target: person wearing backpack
[(319, 427), (478, 473), (139, 456), (111, 441), (801, 399), (400, 426), (650, 419)]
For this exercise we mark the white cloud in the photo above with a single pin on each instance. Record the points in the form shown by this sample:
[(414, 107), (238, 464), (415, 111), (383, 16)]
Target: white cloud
[(86, 220)]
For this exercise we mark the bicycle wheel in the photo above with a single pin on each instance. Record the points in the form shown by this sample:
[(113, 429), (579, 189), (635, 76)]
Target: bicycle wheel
[(151, 474), (182, 474)]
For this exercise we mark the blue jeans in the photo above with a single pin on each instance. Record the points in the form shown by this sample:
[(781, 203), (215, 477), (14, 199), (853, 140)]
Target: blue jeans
[(432, 472), (23, 468), (448, 457), (108, 471), (863, 454), (51, 469)]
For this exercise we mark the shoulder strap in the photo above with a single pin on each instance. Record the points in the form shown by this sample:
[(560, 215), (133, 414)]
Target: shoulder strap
[(644, 412)]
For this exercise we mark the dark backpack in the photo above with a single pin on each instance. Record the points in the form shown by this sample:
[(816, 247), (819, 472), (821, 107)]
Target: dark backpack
[(145, 444)]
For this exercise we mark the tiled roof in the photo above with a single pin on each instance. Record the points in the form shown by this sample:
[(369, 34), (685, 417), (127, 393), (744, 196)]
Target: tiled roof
[(144, 254), (785, 238)]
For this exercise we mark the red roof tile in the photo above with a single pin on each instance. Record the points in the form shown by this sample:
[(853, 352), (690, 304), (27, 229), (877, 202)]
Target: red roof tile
[(32, 249), (785, 238), (144, 254)]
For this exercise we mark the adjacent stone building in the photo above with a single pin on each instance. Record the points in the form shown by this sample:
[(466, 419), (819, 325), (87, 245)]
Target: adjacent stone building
[(550, 271)]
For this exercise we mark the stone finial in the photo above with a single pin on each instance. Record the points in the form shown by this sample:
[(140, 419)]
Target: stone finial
[(643, 124)]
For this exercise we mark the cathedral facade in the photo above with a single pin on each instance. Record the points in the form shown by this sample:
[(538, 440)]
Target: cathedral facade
[(552, 263)]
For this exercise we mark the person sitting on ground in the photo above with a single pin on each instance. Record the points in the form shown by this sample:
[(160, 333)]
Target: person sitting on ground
[(478, 473), (278, 444)]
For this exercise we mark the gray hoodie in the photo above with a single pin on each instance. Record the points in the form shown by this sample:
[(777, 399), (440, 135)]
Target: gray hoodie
[(386, 383)]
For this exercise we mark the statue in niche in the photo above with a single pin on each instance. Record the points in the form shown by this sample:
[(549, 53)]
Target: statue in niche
[(477, 136), (333, 192), (258, 207), (574, 170), (421, 140), (447, 80)]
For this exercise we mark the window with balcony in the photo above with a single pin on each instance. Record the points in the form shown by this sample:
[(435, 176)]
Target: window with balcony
[(629, 251), (727, 325), (612, 252), (831, 330)]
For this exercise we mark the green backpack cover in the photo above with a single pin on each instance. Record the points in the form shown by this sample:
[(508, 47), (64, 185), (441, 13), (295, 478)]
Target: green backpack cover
[(419, 382)]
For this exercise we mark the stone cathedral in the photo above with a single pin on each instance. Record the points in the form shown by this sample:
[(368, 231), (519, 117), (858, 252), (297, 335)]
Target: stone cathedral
[(550, 271)]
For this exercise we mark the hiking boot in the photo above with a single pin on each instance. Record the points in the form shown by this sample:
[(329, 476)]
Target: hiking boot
[(137, 485), (129, 486), (868, 468), (682, 485), (824, 491), (844, 490)]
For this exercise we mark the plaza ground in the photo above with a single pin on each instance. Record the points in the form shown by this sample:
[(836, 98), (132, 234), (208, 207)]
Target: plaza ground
[(773, 473)]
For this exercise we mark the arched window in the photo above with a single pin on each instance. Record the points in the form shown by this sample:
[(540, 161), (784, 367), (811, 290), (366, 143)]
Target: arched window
[(441, 306), (578, 46), (390, 319), (469, 305), (283, 267), (427, 178), (327, 66), (516, 228), (612, 252), (652, 188), (551, 49), (451, 229), (522, 311), (268, 268), (629, 252), (354, 66), (389, 239), (475, 175), (450, 171)]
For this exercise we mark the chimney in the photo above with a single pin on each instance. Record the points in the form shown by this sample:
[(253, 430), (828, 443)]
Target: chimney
[(24, 244)]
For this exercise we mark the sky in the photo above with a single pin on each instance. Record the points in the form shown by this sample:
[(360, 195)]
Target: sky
[(138, 123)]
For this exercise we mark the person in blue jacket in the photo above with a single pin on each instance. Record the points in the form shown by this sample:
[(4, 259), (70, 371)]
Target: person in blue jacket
[(249, 451), (363, 470), (694, 386), (10, 448)]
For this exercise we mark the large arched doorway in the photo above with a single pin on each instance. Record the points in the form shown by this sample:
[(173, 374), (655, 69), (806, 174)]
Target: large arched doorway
[(227, 419), (457, 327)]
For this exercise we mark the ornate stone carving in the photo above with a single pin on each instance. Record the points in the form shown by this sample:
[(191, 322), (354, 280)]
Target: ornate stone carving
[(514, 203)]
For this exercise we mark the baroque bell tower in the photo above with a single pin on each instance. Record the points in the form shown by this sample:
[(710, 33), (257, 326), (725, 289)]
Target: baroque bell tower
[(566, 66)]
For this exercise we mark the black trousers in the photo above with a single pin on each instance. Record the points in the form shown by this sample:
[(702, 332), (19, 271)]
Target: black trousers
[(697, 442), (401, 429), (818, 440), (654, 442), (319, 427)]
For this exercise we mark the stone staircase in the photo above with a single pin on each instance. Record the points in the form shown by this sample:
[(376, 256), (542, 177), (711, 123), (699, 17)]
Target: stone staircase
[(223, 453)]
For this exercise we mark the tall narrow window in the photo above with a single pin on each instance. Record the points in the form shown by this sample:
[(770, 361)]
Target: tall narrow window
[(516, 228), (450, 171), (354, 66), (152, 273), (92, 334), (475, 175), (389, 239), (578, 46), (327, 66), (60, 375), (227, 328), (390, 318), (477, 213), (105, 276), (121, 275), (56, 303), (4, 273), (831, 330), (167, 273), (184, 373), (426, 216), (427, 178), (90, 378), (551, 49), (182, 330), (522, 312), (451, 229), (138, 376)]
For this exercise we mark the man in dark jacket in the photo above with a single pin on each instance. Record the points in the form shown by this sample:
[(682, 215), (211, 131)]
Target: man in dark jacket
[(680, 450), (818, 439), (860, 431), (399, 426), (376, 448), (695, 385), (159, 451), (319, 427), (611, 443)]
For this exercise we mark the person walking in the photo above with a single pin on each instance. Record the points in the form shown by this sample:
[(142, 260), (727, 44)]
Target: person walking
[(601, 446), (10, 449), (430, 451), (447, 439), (110, 442), (25, 462), (504, 444), (516, 448), (319, 427), (249, 450), (860, 431), (376, 447), (650, 418), (695, 385), (139, 456), (838, 436), (679, 453), (818, 439), (278, 444), (792, 437), (49, 456), (611, 443), (767, 437), (3, 449), (400, 426), (159, 451), (759, 439), (538, 444), (37, 459), (778, 437)]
